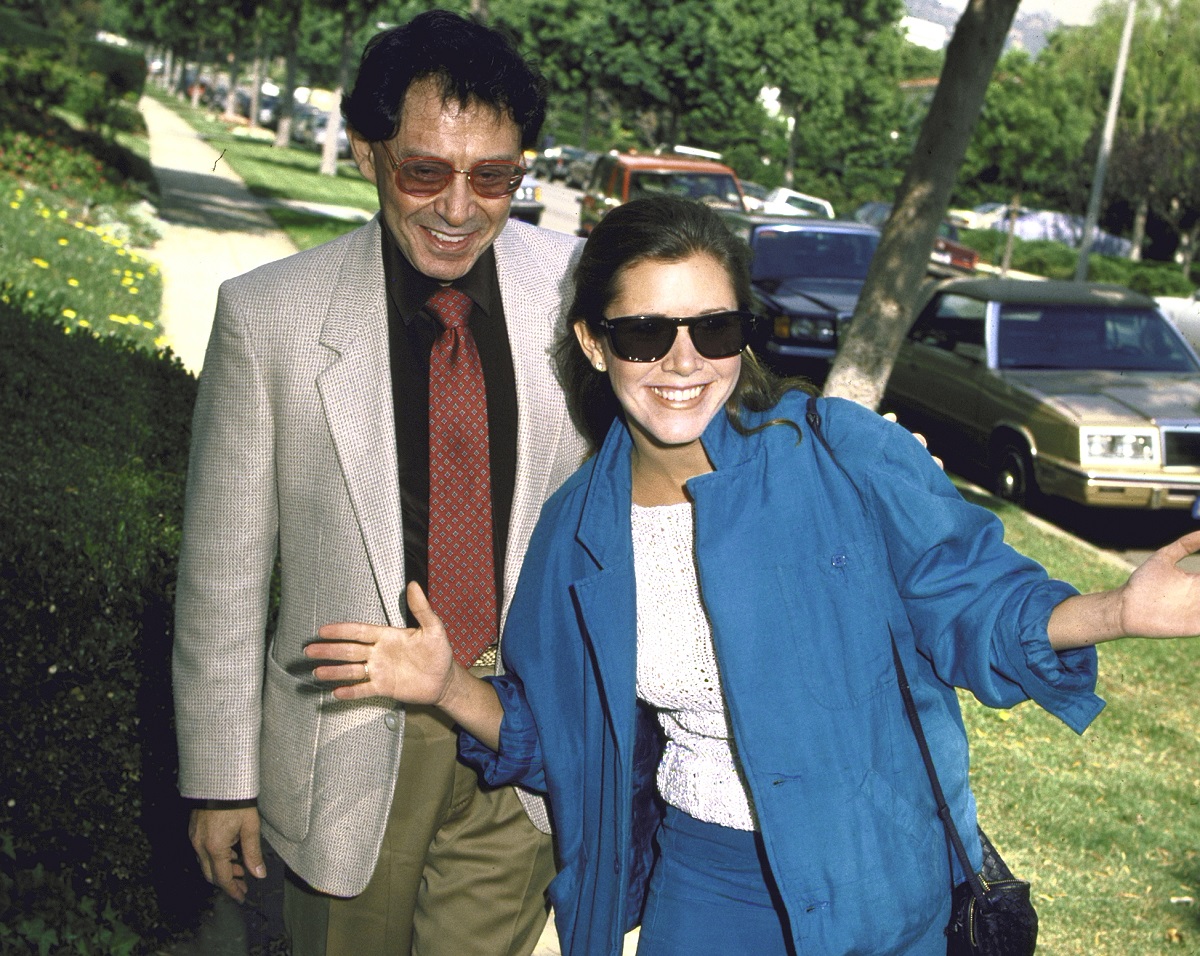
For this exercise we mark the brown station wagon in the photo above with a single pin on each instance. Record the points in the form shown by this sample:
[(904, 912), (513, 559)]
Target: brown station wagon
[(620, 177), (1084, 391)]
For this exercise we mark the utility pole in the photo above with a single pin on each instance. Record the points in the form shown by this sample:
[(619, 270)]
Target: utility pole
[(1110, 123)]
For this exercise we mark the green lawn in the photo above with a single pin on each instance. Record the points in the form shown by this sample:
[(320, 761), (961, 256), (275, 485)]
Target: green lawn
[(1105, 826)]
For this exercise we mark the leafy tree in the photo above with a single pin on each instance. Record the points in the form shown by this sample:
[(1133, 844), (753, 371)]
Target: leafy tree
[(1161, 91), (884, 312), (836, 66), (1030, 141)]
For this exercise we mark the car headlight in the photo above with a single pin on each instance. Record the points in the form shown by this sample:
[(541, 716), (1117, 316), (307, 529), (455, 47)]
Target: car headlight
[(1114, 445), (811, 329)]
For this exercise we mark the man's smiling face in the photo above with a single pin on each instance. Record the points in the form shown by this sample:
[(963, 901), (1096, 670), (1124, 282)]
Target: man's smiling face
[(442, 235)]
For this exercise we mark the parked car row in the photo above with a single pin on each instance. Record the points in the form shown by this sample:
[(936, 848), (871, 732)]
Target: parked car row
[(1082, 391)]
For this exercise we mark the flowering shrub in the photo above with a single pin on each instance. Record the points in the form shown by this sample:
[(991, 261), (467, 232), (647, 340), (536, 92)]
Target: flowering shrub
[(80, 274)]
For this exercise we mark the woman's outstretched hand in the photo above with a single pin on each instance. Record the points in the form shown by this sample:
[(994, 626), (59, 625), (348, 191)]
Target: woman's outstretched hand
[(412, 665), (1161, 599)]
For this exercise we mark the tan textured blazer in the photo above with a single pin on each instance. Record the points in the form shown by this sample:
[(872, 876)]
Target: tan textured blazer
[(294, 448)]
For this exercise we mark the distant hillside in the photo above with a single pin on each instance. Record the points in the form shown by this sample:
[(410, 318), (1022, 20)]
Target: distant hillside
[(1029, 31)]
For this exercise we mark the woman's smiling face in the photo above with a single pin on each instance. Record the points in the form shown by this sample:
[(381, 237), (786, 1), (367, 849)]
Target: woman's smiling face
[(668, 403)]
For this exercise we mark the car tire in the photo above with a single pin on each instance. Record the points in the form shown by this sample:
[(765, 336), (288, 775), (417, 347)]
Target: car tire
[(1012, 474)]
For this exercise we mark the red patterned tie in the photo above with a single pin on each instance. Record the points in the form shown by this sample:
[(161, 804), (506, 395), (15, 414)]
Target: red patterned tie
[(462, 578)]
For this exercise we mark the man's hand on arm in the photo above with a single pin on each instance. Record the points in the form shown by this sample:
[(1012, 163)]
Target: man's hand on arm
[(216, 835)]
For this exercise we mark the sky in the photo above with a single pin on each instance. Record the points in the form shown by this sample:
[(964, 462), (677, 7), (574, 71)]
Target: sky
[(1071, 12)]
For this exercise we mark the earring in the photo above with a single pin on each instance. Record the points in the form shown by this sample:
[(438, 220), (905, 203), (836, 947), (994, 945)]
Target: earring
[(600, 366)]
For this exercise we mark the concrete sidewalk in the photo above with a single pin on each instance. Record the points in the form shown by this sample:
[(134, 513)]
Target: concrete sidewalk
[(214, 229)]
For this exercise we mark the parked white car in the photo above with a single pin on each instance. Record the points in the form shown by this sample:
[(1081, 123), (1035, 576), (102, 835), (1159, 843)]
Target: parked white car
[(782, 201)]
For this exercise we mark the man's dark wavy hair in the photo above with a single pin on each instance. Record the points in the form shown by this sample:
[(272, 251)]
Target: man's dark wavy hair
[(471, 62), (656, 229)]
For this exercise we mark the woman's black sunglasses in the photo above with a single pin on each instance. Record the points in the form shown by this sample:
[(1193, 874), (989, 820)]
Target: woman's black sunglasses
[(647, 338)]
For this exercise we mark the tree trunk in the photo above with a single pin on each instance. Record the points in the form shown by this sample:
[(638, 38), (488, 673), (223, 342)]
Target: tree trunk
[(884, 313), (287, 96), (1010, 233), (585, 127), (333, 125), (1187, 249), (1139, 229)]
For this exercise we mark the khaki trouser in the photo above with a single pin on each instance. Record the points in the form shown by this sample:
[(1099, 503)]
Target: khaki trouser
[(462, 871)]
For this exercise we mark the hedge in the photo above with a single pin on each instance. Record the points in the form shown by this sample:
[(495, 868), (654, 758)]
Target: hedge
[(92, 468)]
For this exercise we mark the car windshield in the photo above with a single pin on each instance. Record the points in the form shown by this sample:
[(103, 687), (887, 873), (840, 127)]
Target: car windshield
[(1089, 337), (789, 253), (716, 189)]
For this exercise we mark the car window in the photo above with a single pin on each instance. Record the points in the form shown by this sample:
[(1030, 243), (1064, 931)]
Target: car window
[(713, 188), (1089, 337), (788, 253), (953, 323)]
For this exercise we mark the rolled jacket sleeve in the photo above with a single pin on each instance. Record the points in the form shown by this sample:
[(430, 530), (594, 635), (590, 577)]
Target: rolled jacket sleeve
[(519, 759), (978, 609)]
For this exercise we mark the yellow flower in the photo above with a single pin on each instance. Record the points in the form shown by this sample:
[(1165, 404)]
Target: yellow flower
[(128, 273), (45, 213), (133, 290), (62, 214), (14, 205), (20, 193), (40, 263), (85, 324), (73, 283), (133, 318), (146, 324), (79, 225), (127, 281), (119, 319), (161, 342), (69, 313), (139, 275), (29, 294), (62, 241)]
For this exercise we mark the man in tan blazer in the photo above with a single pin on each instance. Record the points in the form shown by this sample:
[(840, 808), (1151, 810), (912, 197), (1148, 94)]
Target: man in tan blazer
[(310, 452)]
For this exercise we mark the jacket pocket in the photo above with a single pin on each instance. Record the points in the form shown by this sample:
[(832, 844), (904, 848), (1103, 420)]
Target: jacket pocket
[(288, 752), (839, 647), (864, 870)]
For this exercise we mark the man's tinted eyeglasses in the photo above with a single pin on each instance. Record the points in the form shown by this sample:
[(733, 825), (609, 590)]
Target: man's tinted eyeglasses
[(647, 338), (427, 176)]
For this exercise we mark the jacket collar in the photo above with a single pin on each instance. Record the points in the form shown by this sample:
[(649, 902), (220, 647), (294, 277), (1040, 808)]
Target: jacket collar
[(604, 522)]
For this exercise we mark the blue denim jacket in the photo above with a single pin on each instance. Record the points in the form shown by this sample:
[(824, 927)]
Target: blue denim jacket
[(804, 569)]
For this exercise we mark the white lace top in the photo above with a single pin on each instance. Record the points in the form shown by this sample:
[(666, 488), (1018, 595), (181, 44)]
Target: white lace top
[(677, 673)]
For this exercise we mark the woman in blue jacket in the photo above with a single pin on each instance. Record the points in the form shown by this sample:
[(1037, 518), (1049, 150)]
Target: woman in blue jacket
[(698, 658)]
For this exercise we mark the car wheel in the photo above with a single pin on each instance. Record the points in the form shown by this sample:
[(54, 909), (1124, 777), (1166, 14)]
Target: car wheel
[(1012, 474)]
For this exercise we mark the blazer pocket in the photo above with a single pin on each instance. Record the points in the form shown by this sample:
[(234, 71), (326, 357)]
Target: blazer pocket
[(288, 752)]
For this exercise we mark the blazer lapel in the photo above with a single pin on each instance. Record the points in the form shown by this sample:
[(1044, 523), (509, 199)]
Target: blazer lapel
[(356, 393), (608, 598), (548, 448)]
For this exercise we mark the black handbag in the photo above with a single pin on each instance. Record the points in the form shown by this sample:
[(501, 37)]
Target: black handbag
[(991, 913)]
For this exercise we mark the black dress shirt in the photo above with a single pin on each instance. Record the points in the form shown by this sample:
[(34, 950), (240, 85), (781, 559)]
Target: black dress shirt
[(412, 330)]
